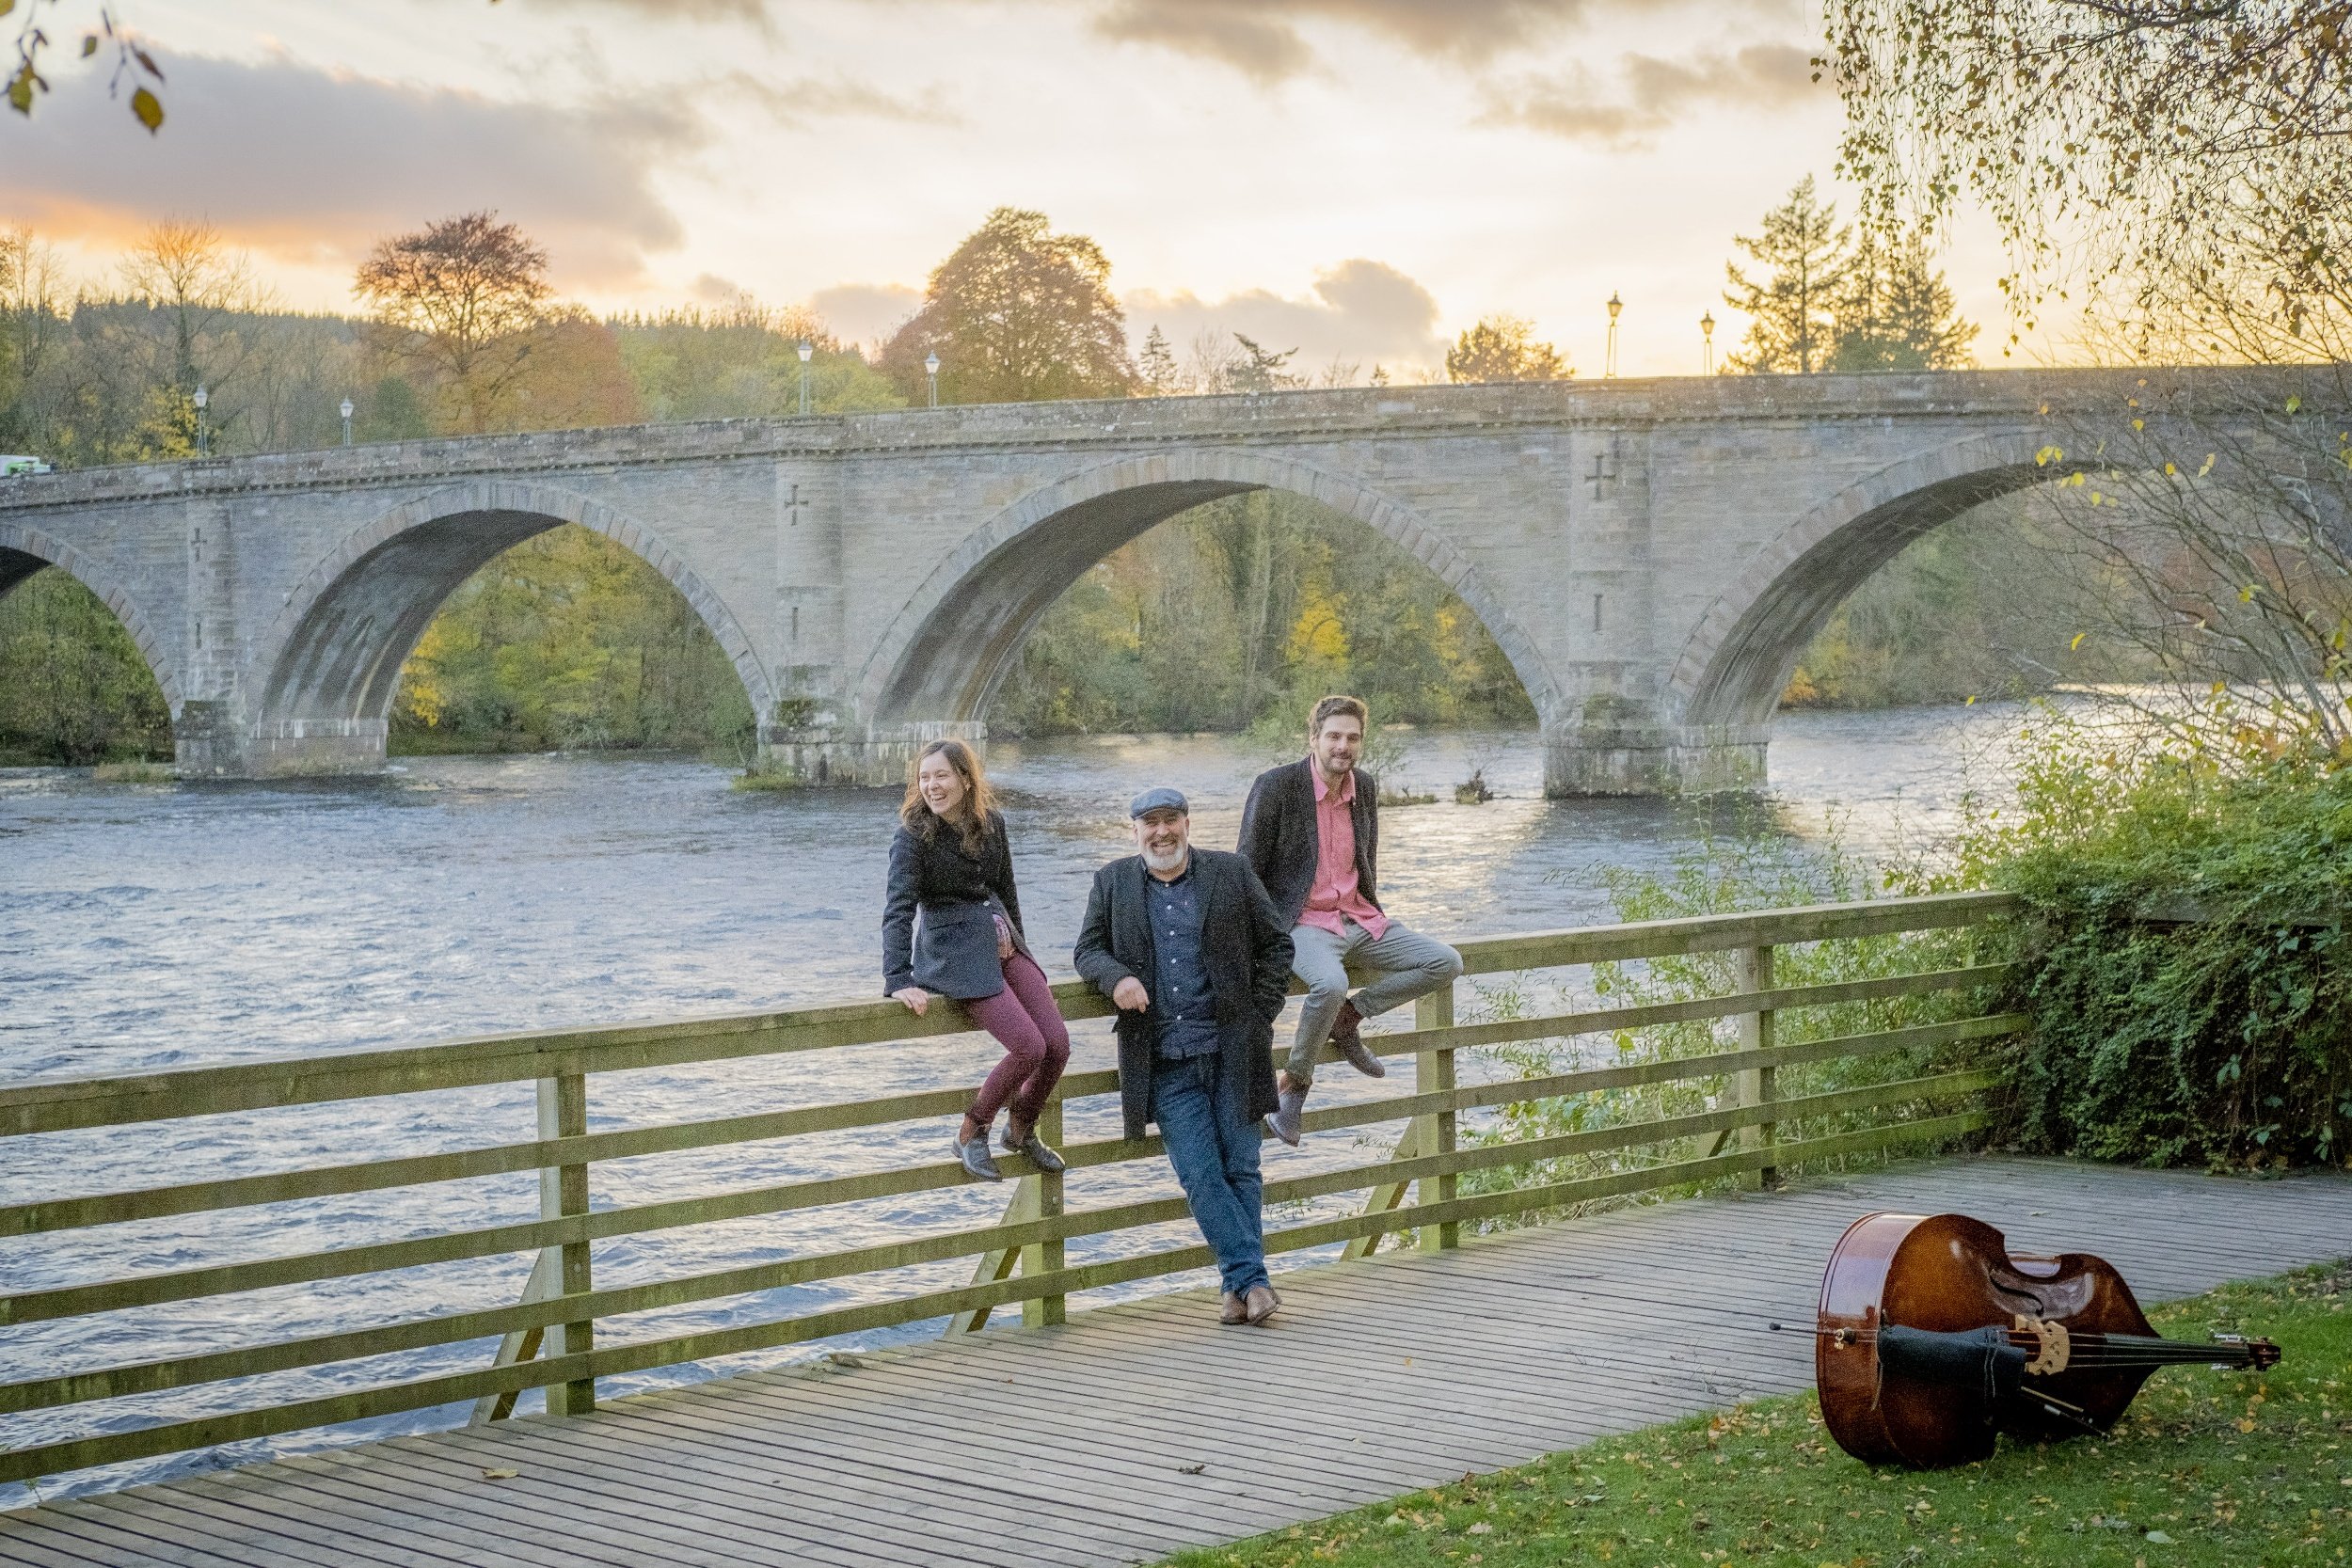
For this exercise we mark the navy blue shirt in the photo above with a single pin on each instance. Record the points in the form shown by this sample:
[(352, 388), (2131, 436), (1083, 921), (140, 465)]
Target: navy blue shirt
[(1187, 1011)]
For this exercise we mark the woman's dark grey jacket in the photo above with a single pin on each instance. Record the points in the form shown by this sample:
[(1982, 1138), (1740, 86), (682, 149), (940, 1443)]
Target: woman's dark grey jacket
[(952, 948)]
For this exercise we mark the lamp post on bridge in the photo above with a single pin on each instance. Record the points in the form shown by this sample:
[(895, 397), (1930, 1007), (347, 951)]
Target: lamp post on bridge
[(1609, 362), (930, 368), (347, 422), (201, 397), (807, 349), (1707, 344)]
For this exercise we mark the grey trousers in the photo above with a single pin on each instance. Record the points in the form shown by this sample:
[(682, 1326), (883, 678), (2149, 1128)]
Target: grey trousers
[(1408, 965)]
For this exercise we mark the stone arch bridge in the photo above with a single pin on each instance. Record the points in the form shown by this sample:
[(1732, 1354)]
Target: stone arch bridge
[(1652, 556)]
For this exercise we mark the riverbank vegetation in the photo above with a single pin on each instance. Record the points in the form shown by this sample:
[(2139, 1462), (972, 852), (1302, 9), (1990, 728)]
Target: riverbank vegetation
[(74, 688), (2207, 1469)]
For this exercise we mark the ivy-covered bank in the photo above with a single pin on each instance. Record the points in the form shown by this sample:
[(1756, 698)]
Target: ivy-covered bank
[(2182, 957)]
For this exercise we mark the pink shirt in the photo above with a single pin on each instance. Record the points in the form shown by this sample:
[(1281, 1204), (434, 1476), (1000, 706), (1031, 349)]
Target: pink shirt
[(1335, 896)]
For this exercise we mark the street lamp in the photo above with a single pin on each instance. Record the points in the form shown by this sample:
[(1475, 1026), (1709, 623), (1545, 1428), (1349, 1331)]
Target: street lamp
[(930, 368), (201, 399), (347, 422), (807, 349), (1609, 362), (1706, 349)]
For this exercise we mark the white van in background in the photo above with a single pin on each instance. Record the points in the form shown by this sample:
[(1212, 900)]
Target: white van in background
[(10, 467)]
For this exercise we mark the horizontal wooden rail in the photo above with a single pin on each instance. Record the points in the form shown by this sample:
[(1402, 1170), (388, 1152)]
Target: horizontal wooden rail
[(675, 1137), (1026, 1247), (60, 1104)]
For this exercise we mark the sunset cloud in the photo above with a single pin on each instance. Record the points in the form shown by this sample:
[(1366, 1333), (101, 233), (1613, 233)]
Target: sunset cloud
[(326, 163), (1262, 39), (1361, 311), (1652, 93)]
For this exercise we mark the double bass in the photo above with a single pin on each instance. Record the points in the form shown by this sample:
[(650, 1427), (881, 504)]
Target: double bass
[(1933, 1336)]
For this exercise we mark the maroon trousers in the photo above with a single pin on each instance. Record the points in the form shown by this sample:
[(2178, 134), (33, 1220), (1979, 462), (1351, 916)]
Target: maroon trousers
[(1037, 1044)]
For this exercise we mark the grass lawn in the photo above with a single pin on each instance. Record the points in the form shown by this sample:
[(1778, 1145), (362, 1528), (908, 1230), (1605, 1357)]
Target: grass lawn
[(2206, 1469)]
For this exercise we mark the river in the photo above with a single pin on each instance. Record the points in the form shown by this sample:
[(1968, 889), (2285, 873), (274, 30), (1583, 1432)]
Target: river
[(146, 927)]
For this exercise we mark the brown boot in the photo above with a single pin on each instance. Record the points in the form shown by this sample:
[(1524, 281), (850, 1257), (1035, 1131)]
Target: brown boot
[(1235, 1311), (1347, 1037)]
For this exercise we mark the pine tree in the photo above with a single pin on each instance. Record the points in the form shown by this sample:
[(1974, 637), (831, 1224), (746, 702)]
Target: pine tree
[(1155, 368), (1805, 249), (1260, 369), (1921, 315), (1895, 313)]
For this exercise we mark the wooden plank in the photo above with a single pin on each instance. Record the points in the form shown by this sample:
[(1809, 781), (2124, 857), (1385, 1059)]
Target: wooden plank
[(638, 1455), (73, 1527), (30, 1537), (562, 1486), (359, 1490)]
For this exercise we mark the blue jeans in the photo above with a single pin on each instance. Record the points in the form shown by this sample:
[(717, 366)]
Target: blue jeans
[(1214, 1146)]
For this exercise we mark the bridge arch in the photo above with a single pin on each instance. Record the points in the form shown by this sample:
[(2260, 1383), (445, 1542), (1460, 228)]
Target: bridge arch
[(331, 663), (1739, 658), (25, 550), (952, 646)]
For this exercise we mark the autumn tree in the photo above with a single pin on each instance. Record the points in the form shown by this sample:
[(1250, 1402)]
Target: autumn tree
[(462, 300), (1503, 348), (183, 270), (1017, 313), (1804, 249)]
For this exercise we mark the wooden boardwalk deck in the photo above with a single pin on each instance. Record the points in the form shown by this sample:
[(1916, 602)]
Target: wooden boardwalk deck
[(1142, 1428)]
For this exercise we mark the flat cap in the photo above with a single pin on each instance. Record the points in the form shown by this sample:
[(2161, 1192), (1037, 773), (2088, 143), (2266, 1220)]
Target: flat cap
[(1160, 799)]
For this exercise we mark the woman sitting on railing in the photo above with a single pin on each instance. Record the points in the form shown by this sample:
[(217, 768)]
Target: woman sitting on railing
[(950, 863)]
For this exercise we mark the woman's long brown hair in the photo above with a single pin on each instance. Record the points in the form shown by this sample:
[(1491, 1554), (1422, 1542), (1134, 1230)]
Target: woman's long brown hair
[(972, 813)]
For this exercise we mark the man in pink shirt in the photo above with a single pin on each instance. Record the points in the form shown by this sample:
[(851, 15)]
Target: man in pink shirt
[(1312, 830)]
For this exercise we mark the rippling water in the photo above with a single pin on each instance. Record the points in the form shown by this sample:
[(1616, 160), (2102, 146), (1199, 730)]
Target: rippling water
[(151, 927)]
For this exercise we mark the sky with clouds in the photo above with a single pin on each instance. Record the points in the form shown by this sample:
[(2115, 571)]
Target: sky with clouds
[(1355, 179)]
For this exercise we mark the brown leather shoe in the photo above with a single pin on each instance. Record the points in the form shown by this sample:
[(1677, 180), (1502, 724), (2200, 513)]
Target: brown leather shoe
[(1235, 1310), (1348, 1038), (1259, 1303)]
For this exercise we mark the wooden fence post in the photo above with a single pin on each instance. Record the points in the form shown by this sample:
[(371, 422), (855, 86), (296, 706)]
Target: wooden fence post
[(1045, 1257), (1753, 968), (563, 1191), (1434, 1070)]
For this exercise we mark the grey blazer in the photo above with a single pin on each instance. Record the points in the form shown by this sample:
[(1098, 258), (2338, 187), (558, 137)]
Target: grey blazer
[(939, 916)]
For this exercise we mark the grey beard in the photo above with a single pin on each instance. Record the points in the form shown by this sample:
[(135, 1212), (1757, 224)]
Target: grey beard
[(1159, 860)]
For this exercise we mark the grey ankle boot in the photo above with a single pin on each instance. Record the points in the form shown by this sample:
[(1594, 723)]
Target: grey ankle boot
[(1290, 1108), (974, 1157)]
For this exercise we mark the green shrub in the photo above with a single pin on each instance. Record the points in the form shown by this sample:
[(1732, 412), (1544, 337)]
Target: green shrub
[(2184, 957)]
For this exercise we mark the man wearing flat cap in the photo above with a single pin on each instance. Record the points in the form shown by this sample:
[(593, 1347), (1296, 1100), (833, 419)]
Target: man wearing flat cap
[(1187, 944)]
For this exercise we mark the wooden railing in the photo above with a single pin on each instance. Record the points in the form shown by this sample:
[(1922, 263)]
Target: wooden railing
[(1020, 1256)]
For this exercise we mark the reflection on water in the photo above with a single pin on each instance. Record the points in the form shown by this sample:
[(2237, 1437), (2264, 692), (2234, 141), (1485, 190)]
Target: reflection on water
[(144, 927)]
